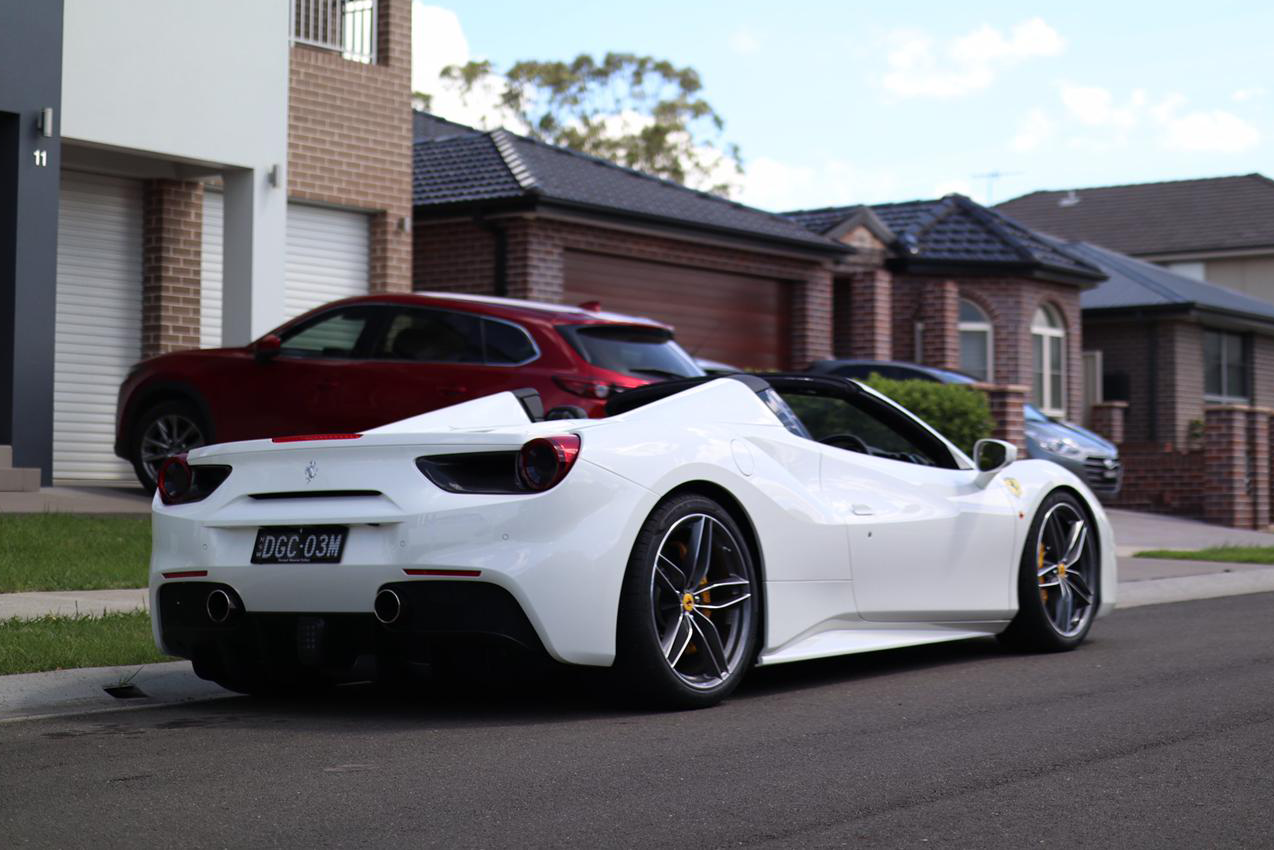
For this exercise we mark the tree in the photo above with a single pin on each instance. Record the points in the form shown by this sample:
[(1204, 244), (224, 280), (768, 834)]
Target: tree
[(637, 111)]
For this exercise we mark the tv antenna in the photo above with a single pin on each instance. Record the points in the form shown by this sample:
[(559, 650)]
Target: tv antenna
[(990, 177)]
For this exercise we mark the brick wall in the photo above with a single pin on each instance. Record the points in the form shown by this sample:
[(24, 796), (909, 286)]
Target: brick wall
[(349, 138), (864, 317), (1160, 478), (172, 238), (1011, 303), (454, 257), (811, 332), (1237, 466)]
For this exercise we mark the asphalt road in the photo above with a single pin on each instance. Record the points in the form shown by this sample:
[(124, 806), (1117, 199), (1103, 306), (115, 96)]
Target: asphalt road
[(1159, 732)]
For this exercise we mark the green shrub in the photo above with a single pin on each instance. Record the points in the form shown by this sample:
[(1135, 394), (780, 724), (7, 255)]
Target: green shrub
[(958, 412)]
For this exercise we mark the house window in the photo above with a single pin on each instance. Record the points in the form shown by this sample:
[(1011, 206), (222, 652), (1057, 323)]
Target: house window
[(1048, 341), (975, 341), (347, 27), (1224, 367)]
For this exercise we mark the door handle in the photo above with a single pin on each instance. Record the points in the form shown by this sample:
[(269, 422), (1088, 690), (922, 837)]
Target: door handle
[(863, 510), (455, 391)]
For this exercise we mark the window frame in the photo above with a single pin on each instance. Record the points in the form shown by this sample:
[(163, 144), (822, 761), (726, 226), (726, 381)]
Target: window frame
[(395, 309), (1245, 360), (1047, 332), (984, 325), (371, 333)]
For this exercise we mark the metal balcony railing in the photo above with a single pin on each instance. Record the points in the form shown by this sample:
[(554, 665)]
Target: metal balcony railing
[(346, 26)]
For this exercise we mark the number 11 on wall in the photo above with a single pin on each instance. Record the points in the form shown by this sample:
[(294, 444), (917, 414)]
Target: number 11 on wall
[(41, 158)]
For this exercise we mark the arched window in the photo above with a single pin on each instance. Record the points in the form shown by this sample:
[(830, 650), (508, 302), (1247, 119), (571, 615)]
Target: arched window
[(975, 341), (1048, 340)]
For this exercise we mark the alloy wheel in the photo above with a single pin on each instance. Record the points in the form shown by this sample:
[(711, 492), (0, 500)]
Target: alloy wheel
[(701, 599), (1066, 570), (165, 436)]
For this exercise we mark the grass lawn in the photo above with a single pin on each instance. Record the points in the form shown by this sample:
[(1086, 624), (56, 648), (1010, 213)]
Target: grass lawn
[(57, 643), (1227, 554), (72, 552)]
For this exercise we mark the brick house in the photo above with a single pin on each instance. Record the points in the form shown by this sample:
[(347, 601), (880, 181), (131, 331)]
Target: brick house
[(501, 214), (262, 170), (1216, 229), (952, 284), (1188, 380)]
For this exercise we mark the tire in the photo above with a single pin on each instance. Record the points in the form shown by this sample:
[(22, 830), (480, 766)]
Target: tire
[(1058, 579), (168, 428), (688, 626)]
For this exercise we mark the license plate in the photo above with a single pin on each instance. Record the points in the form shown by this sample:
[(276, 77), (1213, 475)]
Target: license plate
[(305, 544)]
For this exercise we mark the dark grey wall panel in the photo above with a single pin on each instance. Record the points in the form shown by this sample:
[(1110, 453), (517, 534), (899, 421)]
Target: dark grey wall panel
[(30, 81)]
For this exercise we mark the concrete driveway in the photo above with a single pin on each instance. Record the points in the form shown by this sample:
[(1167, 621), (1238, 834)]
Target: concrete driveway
[(1136, 532)]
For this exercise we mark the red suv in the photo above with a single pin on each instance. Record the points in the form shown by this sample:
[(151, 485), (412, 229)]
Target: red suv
[(358, 363)]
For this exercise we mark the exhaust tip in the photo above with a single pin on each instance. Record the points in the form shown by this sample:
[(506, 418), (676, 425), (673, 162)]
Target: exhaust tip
[(387, 607), (220, 607)]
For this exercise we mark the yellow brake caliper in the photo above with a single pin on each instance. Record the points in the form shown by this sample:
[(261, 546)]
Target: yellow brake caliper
[(1039, 565)]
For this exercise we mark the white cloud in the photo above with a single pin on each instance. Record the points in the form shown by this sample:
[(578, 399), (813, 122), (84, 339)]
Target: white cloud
[(1035, 129), (1211, 130), (438, 40), (1243, 95), (1108, 123), (744, 42), (921, 68), (772, 184)]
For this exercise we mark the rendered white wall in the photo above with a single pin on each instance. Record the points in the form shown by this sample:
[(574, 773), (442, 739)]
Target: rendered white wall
[(203, 80), (185, 78)]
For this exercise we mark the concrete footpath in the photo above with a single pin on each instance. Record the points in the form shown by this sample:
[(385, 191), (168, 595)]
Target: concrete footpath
[(70, 499)]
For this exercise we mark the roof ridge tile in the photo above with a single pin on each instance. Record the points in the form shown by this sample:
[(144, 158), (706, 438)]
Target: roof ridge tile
[(513, 160)]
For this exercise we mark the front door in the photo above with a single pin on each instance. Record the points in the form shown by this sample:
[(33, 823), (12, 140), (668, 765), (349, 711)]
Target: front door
[(925, 543)]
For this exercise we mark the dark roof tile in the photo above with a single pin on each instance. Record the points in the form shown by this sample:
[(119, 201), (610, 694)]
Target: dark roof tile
[(455, 166), (1180, 216)]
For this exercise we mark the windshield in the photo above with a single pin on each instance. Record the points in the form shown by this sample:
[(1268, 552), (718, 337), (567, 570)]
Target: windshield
[(634, 350), (1033, 414)]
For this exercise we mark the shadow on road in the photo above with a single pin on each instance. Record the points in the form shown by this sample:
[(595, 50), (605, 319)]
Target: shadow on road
[(558, 695)]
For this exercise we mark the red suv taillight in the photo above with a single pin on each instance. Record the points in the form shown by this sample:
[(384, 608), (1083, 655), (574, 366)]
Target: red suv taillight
[(583, 387), (544, 461)]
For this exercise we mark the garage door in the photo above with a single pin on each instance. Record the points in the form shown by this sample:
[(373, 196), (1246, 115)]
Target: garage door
[(327, 258), (99, 321), (736, 319)]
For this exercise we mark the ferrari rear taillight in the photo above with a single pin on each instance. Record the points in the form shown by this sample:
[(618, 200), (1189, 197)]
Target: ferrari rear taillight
[(179, 483), (583, 387), (545, 461)]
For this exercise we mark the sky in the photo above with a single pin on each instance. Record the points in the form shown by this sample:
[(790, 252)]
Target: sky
[(855, 102)]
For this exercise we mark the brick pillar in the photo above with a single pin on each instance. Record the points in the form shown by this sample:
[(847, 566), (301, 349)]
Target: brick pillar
[(172, 243), (811, 319), (1107, 419), (536, 264), (1236, 459), (940, 311), (1006, 402), (871, 305)]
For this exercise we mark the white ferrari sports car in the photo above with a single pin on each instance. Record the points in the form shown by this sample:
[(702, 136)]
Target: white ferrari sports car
[(705, 526)]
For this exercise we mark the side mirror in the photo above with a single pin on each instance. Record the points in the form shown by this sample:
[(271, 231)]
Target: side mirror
[(989, 457), (267, 347)]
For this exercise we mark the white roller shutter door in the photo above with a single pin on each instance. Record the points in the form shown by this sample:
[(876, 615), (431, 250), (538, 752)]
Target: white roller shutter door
[(98, 335), (327, 258), (210, 277)]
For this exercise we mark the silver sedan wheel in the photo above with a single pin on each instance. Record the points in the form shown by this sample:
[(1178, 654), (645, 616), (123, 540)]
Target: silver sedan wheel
[(702, 602), (1066, 569), (165, 436)]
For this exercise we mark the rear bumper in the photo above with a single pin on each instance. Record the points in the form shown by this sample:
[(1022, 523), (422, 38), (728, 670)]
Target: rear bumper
[(435, 616), (553, 560)]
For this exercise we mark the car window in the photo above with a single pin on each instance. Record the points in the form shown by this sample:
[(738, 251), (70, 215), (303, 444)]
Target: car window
[(434, 336), (867, 426), (634, 350), (506, 344), (335, 334)]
